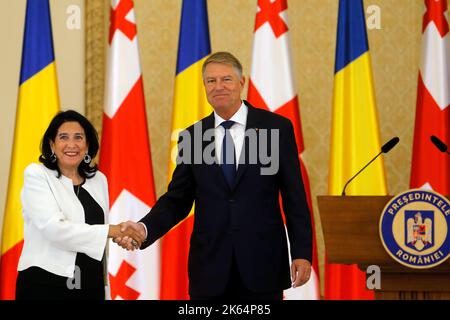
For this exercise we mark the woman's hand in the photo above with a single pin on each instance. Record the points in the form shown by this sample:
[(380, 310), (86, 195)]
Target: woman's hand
[(136, 238)]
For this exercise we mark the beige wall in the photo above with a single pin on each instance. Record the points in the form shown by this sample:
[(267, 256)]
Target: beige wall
[(69, 52)]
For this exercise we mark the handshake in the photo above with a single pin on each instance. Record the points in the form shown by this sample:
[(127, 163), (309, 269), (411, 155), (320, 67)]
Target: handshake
[(129, 235)]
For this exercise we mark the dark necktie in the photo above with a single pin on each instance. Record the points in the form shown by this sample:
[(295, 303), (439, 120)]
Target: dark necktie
[(228, 155)]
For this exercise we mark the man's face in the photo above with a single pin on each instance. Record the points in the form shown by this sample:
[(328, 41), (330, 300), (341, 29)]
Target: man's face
[(223, 86)]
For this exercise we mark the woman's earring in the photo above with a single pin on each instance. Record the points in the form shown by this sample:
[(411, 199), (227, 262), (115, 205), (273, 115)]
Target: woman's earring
[(87, 158), (53, 157)]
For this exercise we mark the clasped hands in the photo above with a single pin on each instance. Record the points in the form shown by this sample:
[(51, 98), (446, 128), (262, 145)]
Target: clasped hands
[(129, 235)]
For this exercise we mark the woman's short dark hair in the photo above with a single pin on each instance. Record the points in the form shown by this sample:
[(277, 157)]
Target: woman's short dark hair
[(84, 169)]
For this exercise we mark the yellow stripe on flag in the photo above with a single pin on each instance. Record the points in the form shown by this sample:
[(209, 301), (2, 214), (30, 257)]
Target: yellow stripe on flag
[(189, 106), (190, 103), (37, 105)]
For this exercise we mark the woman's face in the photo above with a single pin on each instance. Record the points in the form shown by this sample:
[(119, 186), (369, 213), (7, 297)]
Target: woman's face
[(70, 145)]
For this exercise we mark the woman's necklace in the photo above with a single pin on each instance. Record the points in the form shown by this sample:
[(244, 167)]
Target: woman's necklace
[(78, 189)]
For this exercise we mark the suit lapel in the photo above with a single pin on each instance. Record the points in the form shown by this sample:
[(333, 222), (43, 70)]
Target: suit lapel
[(252, 123), (208, 124)]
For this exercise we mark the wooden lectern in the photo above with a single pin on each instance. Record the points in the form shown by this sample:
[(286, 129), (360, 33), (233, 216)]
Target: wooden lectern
[(350, 227)]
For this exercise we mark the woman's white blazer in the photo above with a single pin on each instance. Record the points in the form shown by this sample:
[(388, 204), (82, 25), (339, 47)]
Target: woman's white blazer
[(54, 222)]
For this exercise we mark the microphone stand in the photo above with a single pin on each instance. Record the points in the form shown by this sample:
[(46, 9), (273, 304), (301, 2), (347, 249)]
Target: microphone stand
[(343, 190)]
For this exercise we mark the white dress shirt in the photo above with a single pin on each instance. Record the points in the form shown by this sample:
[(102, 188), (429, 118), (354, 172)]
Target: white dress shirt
[(237, 132)]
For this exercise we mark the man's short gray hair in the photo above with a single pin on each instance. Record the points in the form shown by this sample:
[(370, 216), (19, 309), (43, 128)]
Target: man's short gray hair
[(223, 58)]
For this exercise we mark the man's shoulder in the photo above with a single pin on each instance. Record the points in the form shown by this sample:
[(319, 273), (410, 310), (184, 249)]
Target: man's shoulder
[(199, 124), (269, 117)]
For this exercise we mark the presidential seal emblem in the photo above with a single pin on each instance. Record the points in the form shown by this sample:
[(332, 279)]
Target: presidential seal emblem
[(414, 228)]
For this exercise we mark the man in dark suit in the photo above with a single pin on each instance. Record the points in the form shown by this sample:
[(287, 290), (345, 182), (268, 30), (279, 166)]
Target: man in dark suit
[(238, 247)]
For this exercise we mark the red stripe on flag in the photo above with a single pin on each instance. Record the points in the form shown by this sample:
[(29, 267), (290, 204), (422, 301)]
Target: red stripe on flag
[(289, 110), (428, 163), (346, 282), (254, 97), (119, 154), (174, 253), (8, 272)]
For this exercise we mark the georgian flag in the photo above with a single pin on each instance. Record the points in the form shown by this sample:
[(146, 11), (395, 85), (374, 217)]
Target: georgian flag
[(125, 157), (430, 168)]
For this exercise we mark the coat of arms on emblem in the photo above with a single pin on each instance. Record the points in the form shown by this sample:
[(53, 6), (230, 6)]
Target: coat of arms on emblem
[(419, 229)]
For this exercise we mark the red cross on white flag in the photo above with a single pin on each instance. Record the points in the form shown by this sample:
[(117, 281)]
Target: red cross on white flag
[(120, 22), (430, 168), (125, 157), (270, 12), (271, 87)]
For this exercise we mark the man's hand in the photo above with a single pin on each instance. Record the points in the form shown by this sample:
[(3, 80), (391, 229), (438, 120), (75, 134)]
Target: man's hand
[(127, 241), (300, 272)]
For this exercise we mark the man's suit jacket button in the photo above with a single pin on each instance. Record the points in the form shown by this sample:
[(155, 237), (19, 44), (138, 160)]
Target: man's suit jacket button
[(231, 200)]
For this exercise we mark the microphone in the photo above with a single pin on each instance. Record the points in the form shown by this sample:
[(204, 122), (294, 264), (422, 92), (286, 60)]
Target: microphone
[(389, 145), (384, 149), (439, 144)]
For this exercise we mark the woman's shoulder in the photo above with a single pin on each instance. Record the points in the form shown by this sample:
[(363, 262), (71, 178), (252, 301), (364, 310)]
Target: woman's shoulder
[(100, 177), (34, 169), (37, 173), (38, 170)]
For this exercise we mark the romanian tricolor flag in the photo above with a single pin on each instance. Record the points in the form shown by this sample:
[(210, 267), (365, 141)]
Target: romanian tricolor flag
[(190, 105), (354, 135), (38, 102)]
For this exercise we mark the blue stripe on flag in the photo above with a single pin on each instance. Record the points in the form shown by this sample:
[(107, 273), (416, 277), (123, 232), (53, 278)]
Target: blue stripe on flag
[(351, 34), (194, 43), (37, 52)]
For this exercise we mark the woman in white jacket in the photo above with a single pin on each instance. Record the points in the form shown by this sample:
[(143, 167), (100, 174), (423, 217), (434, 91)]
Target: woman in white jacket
[(65, 205)]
